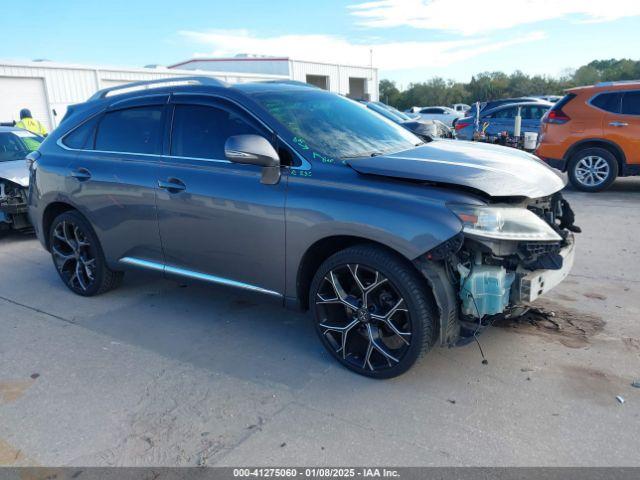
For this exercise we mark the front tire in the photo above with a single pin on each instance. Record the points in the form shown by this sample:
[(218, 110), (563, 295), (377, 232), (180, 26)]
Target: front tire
[(372, 311), (78, 256), (592, 169)]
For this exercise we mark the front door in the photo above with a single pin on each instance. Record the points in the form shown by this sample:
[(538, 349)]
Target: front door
[(217, 221)]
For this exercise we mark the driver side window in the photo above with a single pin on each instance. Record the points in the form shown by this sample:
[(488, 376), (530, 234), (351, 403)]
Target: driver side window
[(200, 131)]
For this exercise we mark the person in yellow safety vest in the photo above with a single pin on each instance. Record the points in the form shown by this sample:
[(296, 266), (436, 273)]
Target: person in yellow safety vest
[(31, 124)]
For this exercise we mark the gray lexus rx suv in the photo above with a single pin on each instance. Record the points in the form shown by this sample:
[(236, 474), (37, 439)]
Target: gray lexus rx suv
[(296, 193)]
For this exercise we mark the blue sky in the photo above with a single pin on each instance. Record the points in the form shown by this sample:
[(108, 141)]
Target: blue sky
[(411, 40)]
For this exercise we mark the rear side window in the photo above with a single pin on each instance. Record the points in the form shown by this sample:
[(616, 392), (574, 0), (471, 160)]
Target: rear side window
[(609, 102), (505, 113), (82, 138), (132, 130), (631, 103), (201, 131)]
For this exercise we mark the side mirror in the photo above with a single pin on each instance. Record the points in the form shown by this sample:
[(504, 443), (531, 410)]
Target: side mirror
[(254, 150)]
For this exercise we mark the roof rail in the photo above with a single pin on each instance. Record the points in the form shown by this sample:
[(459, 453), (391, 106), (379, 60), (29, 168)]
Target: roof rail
[(614, 83), (158, 83), (291, 82)]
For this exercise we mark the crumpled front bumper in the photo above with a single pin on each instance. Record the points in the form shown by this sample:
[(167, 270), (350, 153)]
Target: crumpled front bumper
[(534, 284)]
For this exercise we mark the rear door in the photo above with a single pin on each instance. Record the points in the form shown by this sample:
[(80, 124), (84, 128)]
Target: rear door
[(113, 176), (500, 121), (626, 126), (217, 221)]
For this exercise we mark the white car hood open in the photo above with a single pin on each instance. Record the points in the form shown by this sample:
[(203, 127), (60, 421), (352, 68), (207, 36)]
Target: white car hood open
[(15, 171)]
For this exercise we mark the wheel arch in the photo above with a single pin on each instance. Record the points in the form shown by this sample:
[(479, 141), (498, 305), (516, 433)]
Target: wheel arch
[(50, 213), (322, 249), (608, 145)]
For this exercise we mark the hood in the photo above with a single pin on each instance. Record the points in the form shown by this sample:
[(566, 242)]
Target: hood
[(495, 170), (15, 171)]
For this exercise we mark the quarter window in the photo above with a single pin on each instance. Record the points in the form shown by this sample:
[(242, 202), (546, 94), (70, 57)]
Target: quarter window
[(82, 138), (201, 131), (631, 103), (133, 130)]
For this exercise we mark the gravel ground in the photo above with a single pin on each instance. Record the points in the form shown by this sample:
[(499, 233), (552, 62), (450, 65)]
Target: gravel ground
[(158, 373)]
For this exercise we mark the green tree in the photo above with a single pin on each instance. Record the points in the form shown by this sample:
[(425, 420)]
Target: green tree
[(493, 85), (389, 93), (586, 75)]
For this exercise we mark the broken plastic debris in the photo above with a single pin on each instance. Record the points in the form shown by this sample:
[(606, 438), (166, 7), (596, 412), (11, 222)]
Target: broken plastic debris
[(620, 399)]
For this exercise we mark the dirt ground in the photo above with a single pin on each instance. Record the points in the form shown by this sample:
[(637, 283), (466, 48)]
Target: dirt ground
[(156, 373)]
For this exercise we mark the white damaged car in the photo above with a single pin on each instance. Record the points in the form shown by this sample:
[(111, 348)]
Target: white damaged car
[(15, 145)]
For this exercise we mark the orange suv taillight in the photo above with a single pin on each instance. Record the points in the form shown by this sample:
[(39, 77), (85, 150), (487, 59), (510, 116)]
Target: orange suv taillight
[(556, 115)]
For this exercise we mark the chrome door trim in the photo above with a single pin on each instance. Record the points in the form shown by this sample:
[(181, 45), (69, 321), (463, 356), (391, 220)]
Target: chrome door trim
[(183, 272)]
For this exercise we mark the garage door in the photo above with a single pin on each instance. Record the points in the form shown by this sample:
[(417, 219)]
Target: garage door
[(17, 93), (357, 87)]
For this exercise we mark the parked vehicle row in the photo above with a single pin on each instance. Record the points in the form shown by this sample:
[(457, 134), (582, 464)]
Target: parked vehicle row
[(494, 121), (491, 104), (591, 133), (425, 129), (305, 196)]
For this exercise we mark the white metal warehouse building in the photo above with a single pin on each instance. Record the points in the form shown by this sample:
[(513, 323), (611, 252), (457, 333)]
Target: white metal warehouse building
[(360, 83), (47, 88)]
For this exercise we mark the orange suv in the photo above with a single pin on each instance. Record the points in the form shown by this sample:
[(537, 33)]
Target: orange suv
[(593, 134)]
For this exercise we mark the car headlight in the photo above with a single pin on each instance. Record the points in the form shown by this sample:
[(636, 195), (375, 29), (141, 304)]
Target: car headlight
[(503, 223)]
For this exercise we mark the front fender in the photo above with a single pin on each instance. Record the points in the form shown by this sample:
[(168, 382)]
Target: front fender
[(407, 217)]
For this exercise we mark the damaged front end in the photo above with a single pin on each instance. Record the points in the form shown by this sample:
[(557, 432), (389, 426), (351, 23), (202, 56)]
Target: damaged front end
[(507, 255), (13, 206)]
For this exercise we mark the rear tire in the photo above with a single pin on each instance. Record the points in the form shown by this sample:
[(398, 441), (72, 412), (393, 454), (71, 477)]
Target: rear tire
[(78, 256), (592, 169), (372, 311)]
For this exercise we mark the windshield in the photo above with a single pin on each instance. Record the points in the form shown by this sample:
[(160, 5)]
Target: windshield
[(326, 124), (17, 144)]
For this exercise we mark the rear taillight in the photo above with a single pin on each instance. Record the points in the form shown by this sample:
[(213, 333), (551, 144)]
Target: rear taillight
[(556, 116), (461, 125)]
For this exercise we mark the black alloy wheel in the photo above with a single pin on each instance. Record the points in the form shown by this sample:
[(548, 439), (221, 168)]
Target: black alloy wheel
[(372, 312), (78, 257)]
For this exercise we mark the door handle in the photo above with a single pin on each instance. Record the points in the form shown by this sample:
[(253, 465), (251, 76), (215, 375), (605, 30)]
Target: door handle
[(80, 174), (618, 124), (172, 185)]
